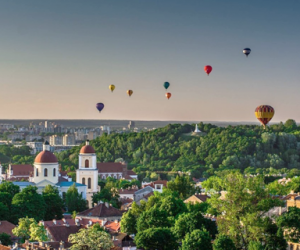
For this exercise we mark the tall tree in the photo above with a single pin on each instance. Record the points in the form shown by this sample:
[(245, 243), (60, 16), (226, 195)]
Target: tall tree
[(9, 187), (223, 242), (28, 203), (156, 238), (4, 212), (5, 239), (242, 209), (182, 185), (23, 228), (74, 200), (54, 203), (92, 239), (196, 240)]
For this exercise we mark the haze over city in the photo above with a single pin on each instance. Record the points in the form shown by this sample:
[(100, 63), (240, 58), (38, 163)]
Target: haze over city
[(59, 57)]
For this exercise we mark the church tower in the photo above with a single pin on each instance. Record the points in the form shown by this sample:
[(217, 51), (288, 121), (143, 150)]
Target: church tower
[(87, 172)]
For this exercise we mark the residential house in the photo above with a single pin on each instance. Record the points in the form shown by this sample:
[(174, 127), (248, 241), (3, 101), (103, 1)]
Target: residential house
[(197, 198)]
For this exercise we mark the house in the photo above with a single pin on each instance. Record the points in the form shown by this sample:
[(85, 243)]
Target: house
[(7, 227), (117, 170), (140, 194), (19, 172), (156, 185), (128, 193), (103, 211), (197, 198)]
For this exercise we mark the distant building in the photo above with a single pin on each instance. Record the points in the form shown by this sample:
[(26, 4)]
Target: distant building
[(197, 130), (69, 139), (92, 135), (19, 172), (197, 198), (156, 185), (35, 147), (55, 140), (131, 125)]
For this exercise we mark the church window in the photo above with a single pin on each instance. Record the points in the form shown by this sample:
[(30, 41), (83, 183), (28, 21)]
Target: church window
[(83, 181), (89, 182), (37, 172), (86, 163), (54, 172), (45, 172)]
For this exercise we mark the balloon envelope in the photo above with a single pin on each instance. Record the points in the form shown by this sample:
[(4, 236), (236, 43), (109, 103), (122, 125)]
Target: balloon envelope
[(168, 95), (264, 113), (112, 87), (166, 85), (246, 51), (99, 106), (129, 92), (208, 69)]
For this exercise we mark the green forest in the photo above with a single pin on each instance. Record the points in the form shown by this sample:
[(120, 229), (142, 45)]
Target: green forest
[(248, 148)]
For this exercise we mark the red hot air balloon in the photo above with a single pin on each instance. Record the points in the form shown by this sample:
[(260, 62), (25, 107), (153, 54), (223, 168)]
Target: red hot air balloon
[(99, 106), (168, 95), (208, 69)]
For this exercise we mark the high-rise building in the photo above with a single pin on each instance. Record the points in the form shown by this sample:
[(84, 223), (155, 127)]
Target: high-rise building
[(68, 139), (55, 140)]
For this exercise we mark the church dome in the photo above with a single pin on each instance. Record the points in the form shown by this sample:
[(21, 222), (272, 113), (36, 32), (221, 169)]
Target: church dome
[(45, 157), (87, 149)]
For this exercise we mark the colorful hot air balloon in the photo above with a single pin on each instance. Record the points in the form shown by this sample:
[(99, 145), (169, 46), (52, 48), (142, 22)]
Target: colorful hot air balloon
[(208, 69), (246, 51), (129, 92), (112, 87), (99, 106), (264, 114), (166, 85), (168, 95)]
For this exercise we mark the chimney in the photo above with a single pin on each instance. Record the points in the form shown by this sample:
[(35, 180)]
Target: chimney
[(77, 223), (103, 223), (61, 245), (54, 221), (90, 222), (67, 225), (107, 204), (41, 244), (280, 211), (64, 220), (116, 221)]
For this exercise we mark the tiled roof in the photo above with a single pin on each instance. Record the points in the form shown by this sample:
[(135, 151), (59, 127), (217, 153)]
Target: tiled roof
[(148, 195), (61, 233), (126, 201), (128, 177), (112, 226), (101, 211), (202, 197), (7, 227), (110, 167), (52, 244), (18, 179), (130, 172), (22, 169), (127, 191), (2, 247)]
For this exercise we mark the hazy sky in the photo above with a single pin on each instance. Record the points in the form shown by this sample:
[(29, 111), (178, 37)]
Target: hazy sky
[(57, 59)]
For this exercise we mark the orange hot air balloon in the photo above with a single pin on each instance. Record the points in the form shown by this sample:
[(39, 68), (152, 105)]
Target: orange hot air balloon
[(112, 87), (208, 69), (264, 113), (129, 92), (168, 95)]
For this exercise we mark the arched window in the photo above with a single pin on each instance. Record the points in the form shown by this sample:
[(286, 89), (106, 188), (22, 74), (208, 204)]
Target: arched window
[(54, 172), (83, 181), (37, 172), (86, 163), (89, 182), (45, 172)]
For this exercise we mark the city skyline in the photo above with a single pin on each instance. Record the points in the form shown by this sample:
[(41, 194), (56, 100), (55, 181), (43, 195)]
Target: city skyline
[(58, 59)]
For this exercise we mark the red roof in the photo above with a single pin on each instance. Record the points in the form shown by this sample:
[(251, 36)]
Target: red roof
[(45, 157), (202, 197), (112, 226), (87, 149), (128, 191), (7, 227), (61, 233), (130, 172), (2, 247), (22, 170), (110, 167), (101, 210)]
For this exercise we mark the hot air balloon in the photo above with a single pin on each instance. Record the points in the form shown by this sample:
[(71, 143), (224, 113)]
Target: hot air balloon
[(264, 114), (168, 95), (99, 106), (208, 69), (129, 92), (166, 85), (112, 87), (246, 51)]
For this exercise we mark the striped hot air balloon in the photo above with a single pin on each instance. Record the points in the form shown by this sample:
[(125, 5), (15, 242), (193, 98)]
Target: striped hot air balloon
[(264, 113)]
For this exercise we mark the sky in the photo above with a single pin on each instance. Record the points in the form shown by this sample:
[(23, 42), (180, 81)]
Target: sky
[(57, 59)]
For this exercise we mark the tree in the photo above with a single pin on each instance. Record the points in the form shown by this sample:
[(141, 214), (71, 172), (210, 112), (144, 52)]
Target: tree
[(54, 203), (242, 209), (4, 212), (91, 239), (9, 187), (156, 238), (38, 232), (223, 242), (74, 200), (255, 245), (154, 217), (289, 224), (28, 203), (6, 199), (182, 185), (108, 194), (5, 239), (173, 206), (23, 228), (197, 240)]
